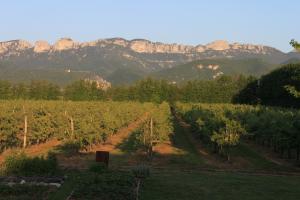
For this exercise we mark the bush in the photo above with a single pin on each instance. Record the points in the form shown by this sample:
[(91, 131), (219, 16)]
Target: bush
[(70, 147), (24, 192), (98, 168), (278, 88), (22, 165), (273, 86), (141, 171), (111, 185)]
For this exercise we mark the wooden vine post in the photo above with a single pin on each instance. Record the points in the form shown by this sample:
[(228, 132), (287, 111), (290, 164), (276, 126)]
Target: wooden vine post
[(25, 132), (71, 124), (25, 128), (151, 138), (72, 127)]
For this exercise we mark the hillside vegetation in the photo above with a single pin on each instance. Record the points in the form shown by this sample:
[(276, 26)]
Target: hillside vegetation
[(212, 68)]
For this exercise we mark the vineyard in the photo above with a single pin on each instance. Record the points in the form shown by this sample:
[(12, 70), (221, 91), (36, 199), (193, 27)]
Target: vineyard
[(25, 123), (219, 126), (222, 126), (140, 137)]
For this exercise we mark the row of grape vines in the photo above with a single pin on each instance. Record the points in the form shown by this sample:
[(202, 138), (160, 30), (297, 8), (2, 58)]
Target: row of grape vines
[(86, 122), (222, 126), (157, 128)]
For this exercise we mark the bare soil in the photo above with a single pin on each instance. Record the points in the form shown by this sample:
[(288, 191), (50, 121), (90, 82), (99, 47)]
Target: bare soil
[(33, 150), (84, 158)]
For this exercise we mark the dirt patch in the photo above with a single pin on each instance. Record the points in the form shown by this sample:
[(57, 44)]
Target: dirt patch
[(112, 143), (165, 148), (78, 161), (34, 150), (82, 159)]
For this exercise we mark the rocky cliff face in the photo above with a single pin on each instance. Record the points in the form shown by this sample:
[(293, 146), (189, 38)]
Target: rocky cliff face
[(64, 44), (138, 46), (41, 46), (99, 81), (116, 59), (145, 46), (14, 46), (219, 45)]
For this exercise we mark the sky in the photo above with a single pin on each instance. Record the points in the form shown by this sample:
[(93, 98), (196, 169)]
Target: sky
[(268, 22)]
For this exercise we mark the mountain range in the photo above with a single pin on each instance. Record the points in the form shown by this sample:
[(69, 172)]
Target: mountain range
[(122, 61)]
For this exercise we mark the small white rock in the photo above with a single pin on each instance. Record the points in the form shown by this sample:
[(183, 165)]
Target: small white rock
[(10, 184), (43, 184)]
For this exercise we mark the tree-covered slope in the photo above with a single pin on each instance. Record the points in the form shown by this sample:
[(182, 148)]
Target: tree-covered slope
[(213, 68)]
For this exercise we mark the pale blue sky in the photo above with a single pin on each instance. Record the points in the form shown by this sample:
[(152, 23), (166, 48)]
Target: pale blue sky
[(269, 22)]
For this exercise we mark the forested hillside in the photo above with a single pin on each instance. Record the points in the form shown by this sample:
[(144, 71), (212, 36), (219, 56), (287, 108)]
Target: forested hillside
[(212, 68), (278, 88)]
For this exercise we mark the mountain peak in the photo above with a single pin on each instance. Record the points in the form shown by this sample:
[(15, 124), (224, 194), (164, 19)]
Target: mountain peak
[(13, 46), (64, 44), (41, 46), (218, 45)]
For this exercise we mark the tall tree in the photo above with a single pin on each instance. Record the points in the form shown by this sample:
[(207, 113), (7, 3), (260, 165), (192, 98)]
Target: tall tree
[(5, 90), (281, 86), (295, 44), (43, 90), (290, 88), (83, 91)]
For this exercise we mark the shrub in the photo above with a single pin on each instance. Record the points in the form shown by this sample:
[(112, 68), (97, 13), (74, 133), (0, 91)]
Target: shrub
[(98, 168), (141, 171), (111, 185), (20, 164)]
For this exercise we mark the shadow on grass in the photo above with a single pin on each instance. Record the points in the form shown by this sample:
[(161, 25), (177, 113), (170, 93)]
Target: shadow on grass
[(132, 143)]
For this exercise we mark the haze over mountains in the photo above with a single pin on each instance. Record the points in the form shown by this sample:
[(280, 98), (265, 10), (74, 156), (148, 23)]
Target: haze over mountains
[(124, 61)]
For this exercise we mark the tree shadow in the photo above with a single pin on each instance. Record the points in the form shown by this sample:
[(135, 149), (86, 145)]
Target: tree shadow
[(132, 143)]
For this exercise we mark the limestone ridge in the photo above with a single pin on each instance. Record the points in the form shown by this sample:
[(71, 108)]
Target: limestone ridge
[(122, 61), (41, 46), (14, 47)]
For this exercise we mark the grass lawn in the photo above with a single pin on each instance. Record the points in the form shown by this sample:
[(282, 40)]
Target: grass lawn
[(219, 186)]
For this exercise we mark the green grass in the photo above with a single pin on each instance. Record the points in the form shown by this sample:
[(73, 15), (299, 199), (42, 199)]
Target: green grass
[(256, 160), (99, 184), (65, 190), (24, 192), (190, 156), (219, 186), (185, 140)]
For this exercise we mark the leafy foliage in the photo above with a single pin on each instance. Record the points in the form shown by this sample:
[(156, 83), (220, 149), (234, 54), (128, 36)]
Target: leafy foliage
[(34, 90), (83, 90), (110, 185), (24, 192), (223, 125), (157, 128), (279, 88), (272, 88), (295, 44), (222, 89), (22, 165), (84, 123)]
